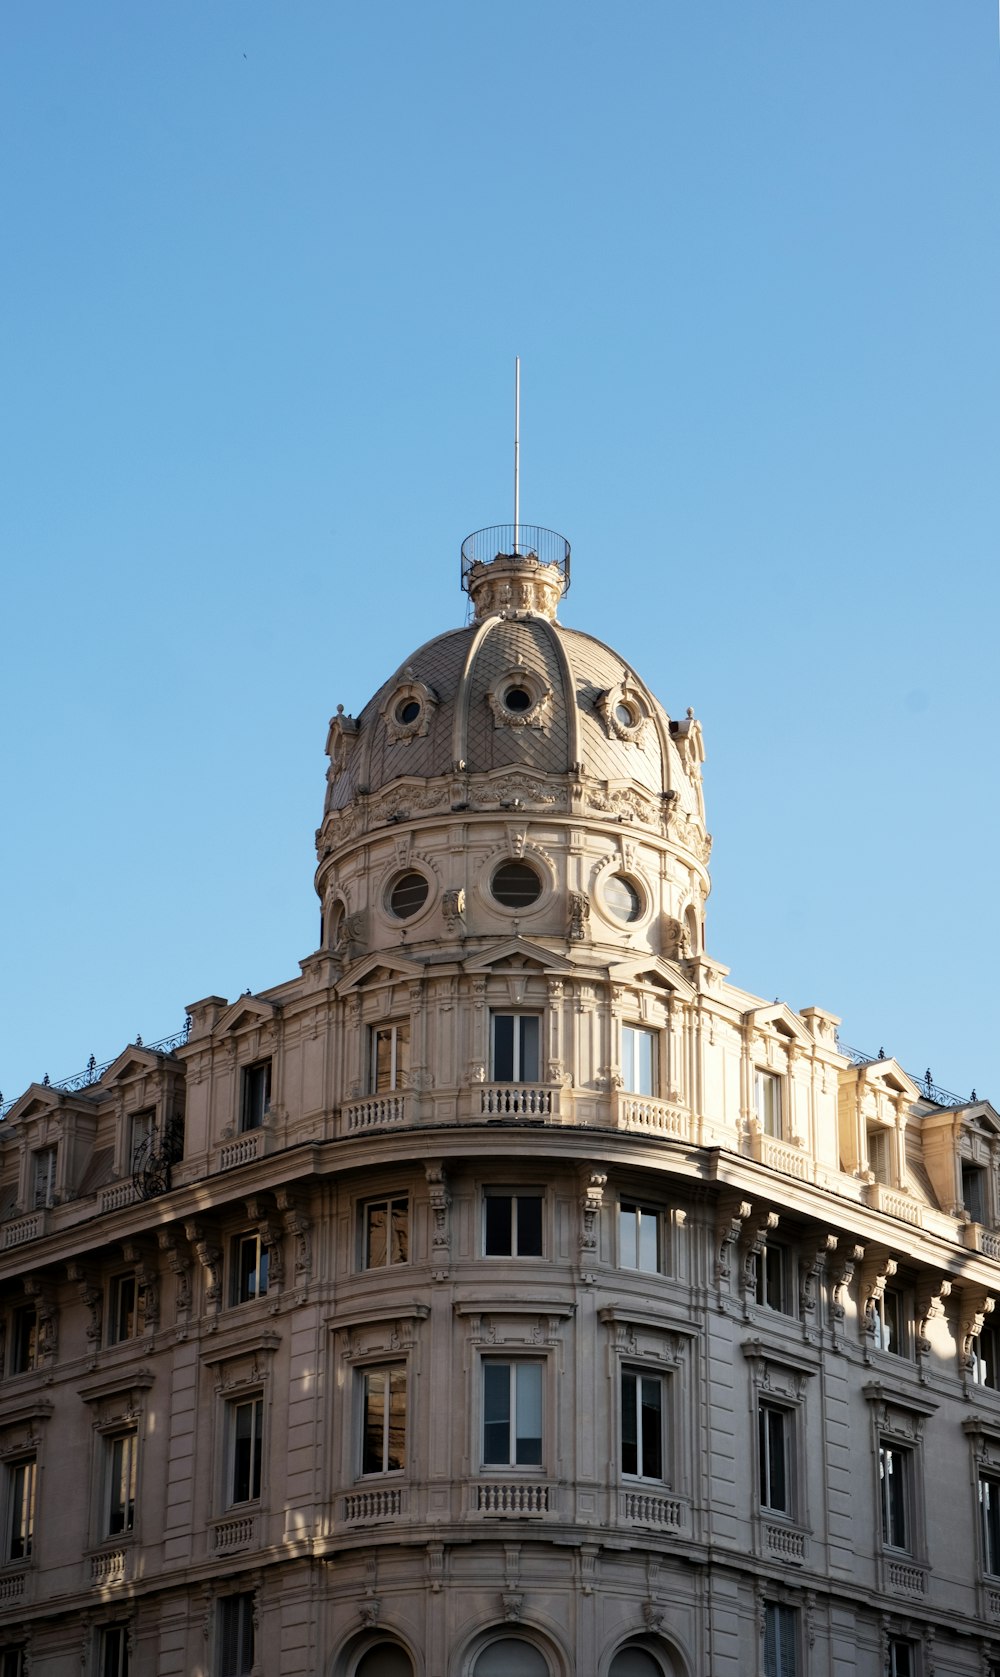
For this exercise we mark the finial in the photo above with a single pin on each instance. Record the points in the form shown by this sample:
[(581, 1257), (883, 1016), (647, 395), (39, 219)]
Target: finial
[(517, 449)]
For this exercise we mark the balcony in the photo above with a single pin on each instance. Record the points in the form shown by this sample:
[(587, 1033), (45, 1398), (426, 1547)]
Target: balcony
[(228, 1537), (782, 1544), (780, 1155), (894, 1203), (243, 1149), (384, 1502), (512, 1499), (652, 1117), (21, 1229), (378, 1112), (527, 1101), (642, 1508), (109, 1567)]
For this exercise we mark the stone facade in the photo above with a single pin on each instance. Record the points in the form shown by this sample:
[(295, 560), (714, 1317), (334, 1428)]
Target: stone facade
[(507, 1292)]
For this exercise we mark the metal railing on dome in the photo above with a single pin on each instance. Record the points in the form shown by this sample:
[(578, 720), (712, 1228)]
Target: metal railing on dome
[(515, 541)]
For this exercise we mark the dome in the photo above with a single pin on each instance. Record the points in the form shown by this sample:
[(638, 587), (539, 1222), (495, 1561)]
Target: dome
[(514, 716)]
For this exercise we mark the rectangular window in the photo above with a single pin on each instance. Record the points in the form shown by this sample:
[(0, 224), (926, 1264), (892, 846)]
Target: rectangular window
[(43, 1168), (122, 1454), (516, 1047), (974, 1192), (126, 1309), (878, 1155), (256, 1103), (383, 1425), (640, 1239), (781, 1640), (638, 1060), (141, 1128), (113, 1651), (390, 1068), (386, 1232), (774, 1290), (989, 1509), (236, 1636), (642, 1424), (890, 1317), (985, 1357), (512, 1223), (894, 1483), (249, 1269), (246, 1450), (24, 1340), (21, 1510), (11, 1662), (900, 1659), (767, 1102), (774, 1438), (512, 1414)]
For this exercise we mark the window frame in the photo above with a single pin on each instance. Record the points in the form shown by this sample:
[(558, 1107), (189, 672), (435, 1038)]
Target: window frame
[(392, 1204), (893, 1321), (121, 1468), (521, 1224), (989, 1522), (642, 1215), (240, 1292), (250, 1403), (113, 1650), (896, 1505), (12, 1661), (519, 1051), (977, 1204), (142, 1122), (643, 1376), (635, 1037), (236, 1633), (394, 1376), (22, 1345), (43, 1177), (398, 1033), (782, 1640), (255, 1093), (776, 1463), (521, 1374), (21, 1507), (118, 1284), (897, 1645), (776, 1275), (769, 1102), (984, 1369)]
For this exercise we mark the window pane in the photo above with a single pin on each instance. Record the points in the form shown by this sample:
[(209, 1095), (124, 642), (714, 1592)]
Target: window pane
[(628, 1237), (374, 1422), (387, 1660), (648, 1241), (529, 1226), (376, 1248), (396, 1436), (399, 1233), (511, 1657), (529, 1034), (383, 1061), (630, 1423), (496, 1413), (529, 1414), (652, 1429), (499, 1225), (503, 1047)]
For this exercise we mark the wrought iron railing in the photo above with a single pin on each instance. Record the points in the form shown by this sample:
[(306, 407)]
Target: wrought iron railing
[(508, 541), (930, 1090), (94, 1072)]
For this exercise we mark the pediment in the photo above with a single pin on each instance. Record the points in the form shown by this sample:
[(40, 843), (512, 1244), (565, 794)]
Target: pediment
[(652, 969), (41, 1100), (779, 1018), (521, 954), (384, 965), (982, 1117), (889, 1075), (244, 1011), (133, 1061)]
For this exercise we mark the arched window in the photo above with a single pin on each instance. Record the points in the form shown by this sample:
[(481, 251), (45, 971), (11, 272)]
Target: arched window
[(387, 1659), (510, 1657), (634, 1662)]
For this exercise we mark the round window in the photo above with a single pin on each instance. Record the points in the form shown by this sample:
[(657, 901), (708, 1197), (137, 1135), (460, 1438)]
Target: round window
[(622, 898), (516, 885), (407, 894), (626, 715), (518, 698), (407, 710)]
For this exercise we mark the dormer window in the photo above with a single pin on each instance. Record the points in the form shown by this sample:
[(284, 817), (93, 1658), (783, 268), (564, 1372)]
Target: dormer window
[(974, 1192), (256, 1095), (767, 1102), (43, 1177), (879, 1155), (141, 1126)]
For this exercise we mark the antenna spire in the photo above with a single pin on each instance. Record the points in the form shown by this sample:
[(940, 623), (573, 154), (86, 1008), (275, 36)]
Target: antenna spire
[(517, 449)]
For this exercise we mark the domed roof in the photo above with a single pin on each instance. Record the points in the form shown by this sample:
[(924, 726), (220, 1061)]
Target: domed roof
[(515, 690)]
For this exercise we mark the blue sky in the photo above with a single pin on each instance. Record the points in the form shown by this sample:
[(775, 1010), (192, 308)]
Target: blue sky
[(266, 268)]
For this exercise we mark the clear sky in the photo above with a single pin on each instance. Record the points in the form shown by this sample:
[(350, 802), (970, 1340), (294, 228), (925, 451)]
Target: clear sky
[(265, 270)]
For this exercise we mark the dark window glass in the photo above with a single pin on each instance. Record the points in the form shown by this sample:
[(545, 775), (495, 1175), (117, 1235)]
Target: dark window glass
[(408, 895), (773, 1426), (513, 1225), (893, 1465), (622, 898), (256, 1095), (516, 885), (247, 1423), (236, 1636)]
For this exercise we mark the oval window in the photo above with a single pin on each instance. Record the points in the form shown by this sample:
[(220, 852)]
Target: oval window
[(407, 894), (407, 710), (622, 898), (516, 885), (518, 698), (626, 715)]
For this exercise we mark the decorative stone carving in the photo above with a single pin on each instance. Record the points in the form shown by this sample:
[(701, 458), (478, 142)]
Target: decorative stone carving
[(687, 736), (730, 1215), (536, 713), (753, 1236), (591, 1201), (440, 1202), (453, 908), (842, 1266), (579, 916), (624, 712), (407, 712)]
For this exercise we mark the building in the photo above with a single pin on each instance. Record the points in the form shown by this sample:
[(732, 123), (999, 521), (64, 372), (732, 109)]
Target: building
[(506, 1292)]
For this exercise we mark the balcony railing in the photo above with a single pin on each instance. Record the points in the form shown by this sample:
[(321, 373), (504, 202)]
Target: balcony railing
[(642, 1508), (375, 1112), (12, 1587), (894, 1204), (518, 1100), (654, 1117), (383, 1503), (521, 1498), (21, 1229), (781, 1155), (903, 1576), (243, 1149), (109, 1567), (785, 1545), (230, 1535)]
